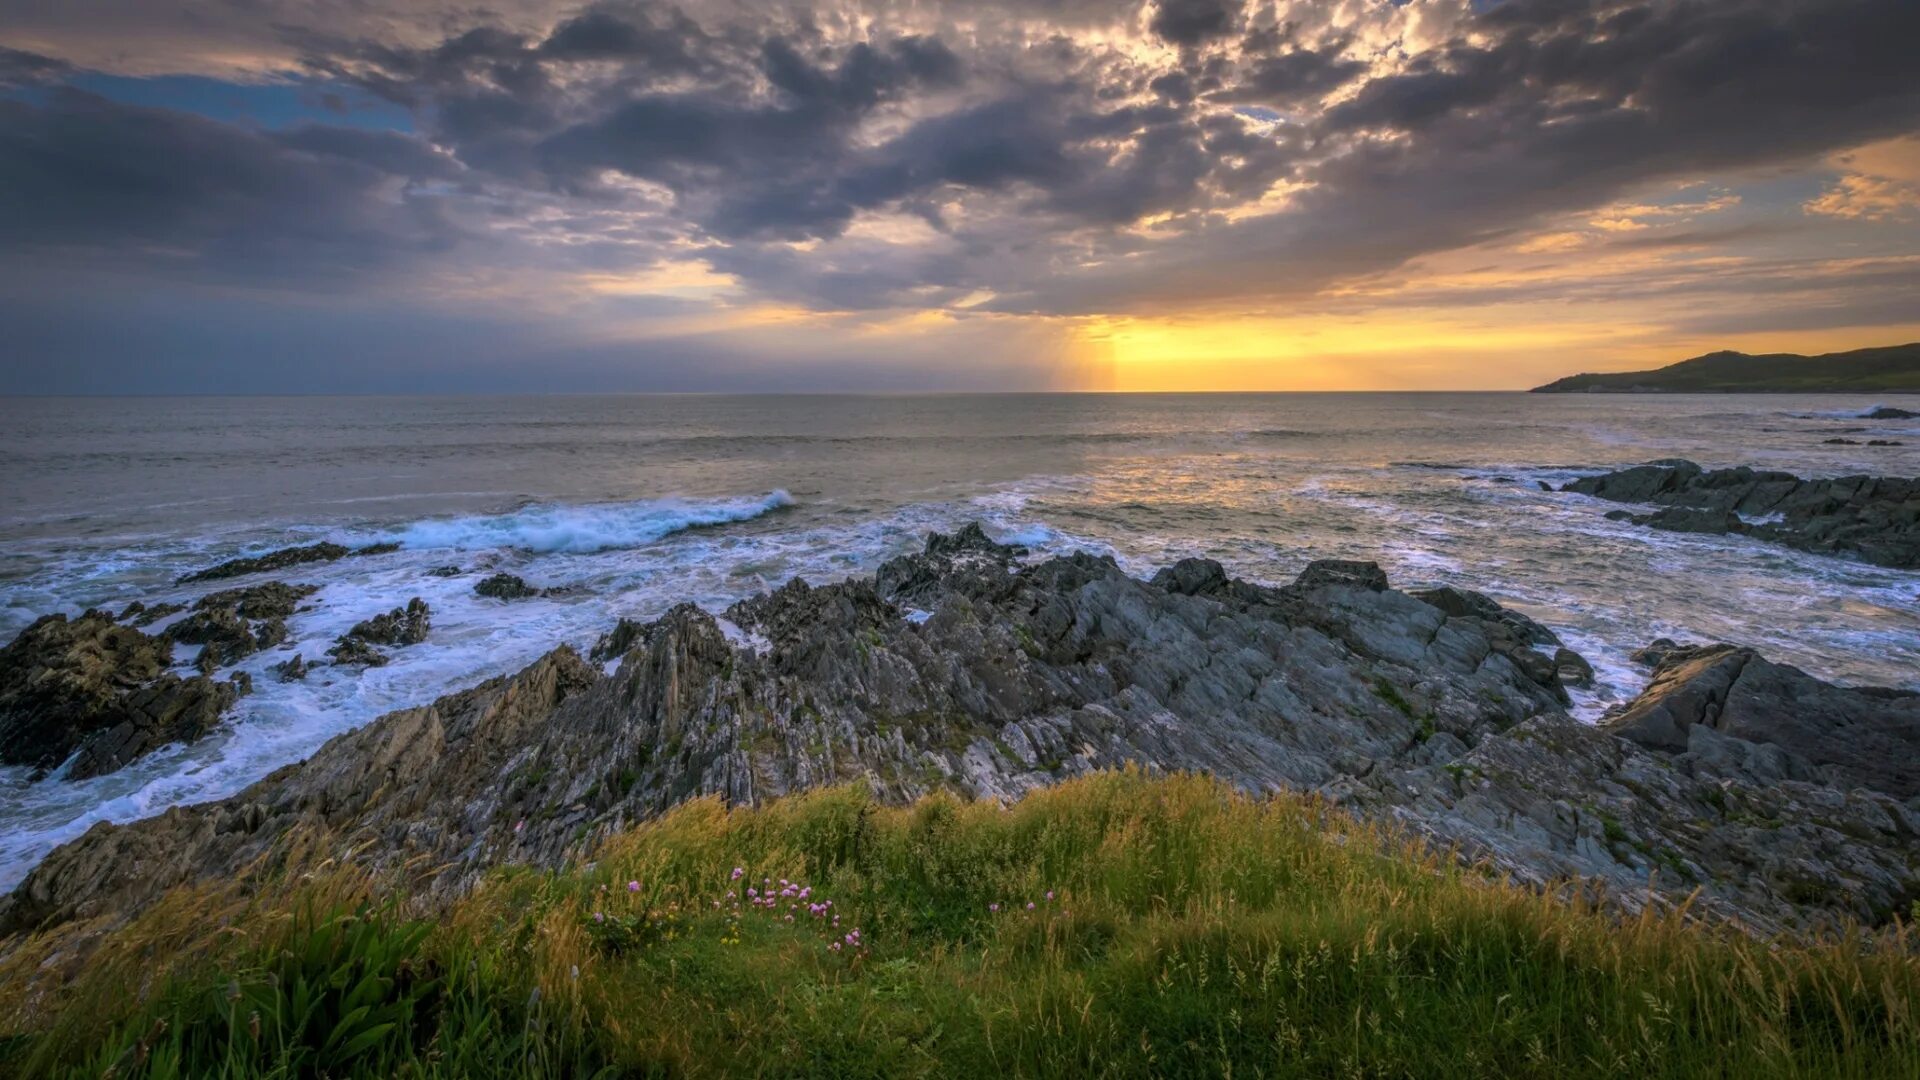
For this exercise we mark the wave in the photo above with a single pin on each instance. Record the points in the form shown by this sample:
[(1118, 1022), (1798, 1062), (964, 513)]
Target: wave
[(580, 529)]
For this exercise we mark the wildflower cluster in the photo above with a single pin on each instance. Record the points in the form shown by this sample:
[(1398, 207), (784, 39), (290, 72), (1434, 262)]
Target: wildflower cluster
[(619, 925), (783, 901), (1031, 907)]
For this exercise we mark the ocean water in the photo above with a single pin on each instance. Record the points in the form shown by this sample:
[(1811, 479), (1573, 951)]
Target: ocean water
[(634, 503)]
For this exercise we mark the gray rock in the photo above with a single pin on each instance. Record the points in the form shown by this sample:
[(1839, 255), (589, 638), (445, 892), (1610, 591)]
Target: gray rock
[(504, 586), (90, 686), (283, 558), (1343, 572), (1867, 738), (399, 627), (237, 623), (1873, 518)]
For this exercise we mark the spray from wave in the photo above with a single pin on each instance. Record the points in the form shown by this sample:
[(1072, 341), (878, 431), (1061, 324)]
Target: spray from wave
[(576, 529)]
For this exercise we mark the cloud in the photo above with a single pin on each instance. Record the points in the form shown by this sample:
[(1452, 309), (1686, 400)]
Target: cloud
[(1881, 183), (1077, 158), (19, 68)]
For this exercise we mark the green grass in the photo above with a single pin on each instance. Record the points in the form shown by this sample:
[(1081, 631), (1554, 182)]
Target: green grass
[(1192, 931)]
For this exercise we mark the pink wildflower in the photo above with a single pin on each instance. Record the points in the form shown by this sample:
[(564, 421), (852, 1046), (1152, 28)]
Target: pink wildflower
[(737, 872), (633, 886)]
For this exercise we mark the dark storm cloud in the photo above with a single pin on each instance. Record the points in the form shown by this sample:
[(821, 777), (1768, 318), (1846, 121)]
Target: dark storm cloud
[(1191, 22), (1562, 106), (84, 178), (1059, 170), (1293, 75), (19, 68)]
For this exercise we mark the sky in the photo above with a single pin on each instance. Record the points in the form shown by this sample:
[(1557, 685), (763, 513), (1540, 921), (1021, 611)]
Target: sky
[(353, 196)]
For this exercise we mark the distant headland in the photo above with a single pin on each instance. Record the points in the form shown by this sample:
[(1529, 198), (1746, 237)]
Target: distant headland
[(1888, 369)]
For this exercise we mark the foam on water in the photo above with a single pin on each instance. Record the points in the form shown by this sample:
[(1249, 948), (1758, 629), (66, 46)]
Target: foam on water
[(577, 529)]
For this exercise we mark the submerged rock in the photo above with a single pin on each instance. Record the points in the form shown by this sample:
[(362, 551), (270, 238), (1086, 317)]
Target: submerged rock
[(292, 670), (504, 586), (1888, 412), (1874, 518), (283, 558), (92, 686), (399, 627)]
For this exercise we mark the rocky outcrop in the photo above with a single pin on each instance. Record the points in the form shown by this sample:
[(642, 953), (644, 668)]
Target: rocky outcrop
[(1020, 675), (399, 627), (282, 559), (1023, 673), (1888, 412), (1783, 799), (1704, 699), (1874, 518), (91, 686)]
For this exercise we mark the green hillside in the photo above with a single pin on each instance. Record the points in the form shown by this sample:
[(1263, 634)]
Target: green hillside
[(1890, 369)]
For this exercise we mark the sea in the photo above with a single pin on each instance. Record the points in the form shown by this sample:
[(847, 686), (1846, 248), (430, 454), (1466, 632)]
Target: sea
[(628, 505)]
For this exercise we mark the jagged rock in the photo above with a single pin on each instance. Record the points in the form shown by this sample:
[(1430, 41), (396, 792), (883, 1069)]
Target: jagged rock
[(401, 626), (616, 641), (350, 651), (237, 623), (504, 586), (1193, 577), (292, 670), (169, 710), (148, 615), (102, 689), (1837, 735), (1026, 673), (1514, 636), (1344, 572), (912, 580), (1022, 675), (1874, 518), (1465, 603), (283, 558)]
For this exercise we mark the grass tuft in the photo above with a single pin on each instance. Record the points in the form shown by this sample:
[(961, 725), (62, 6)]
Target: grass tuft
[(1115, 925)]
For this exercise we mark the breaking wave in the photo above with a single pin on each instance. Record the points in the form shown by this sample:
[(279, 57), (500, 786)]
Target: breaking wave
[(581, 529)]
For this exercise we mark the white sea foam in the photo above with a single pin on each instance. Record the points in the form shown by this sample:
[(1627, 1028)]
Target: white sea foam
[(548, 528)]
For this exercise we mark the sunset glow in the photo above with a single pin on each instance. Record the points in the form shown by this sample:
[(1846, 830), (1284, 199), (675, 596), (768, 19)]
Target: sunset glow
[(1195, 195)]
